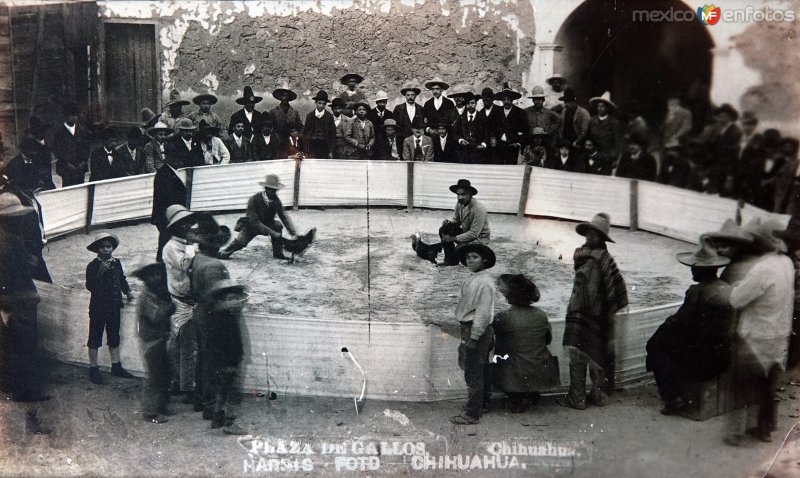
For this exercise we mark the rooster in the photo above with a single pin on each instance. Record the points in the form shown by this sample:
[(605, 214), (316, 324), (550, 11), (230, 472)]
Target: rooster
[(425, 251), (299, 245)]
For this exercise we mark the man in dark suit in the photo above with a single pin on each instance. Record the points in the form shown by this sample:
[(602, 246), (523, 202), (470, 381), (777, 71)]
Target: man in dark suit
[(405, 113), (491, 116), (637, 163), (594, 161), (248, 115), (103, 164), (472, 132), (35, 158), (183, 149), (379, 114), (513, 128), (566, 159), (437, 109), (723, 148), (266, 145), (388, 146), (445, 145), (71, 148), (238, 144), (750, 167), (168, 189), (130, 152), (320, 130)]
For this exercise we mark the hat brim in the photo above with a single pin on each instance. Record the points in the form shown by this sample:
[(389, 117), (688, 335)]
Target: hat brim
[(152, 131), (511, 94), (568, 98), (415, 90), (550, 80), (381, 98), (596, 100), (346, 78), (255, 99), (690, 259), (148, 270), (272, 186), (177, 102), (455, 187), (197, 99), (355, 105), (291, 95), (724, 236), (429, 85), (485, 251), (180, 218), (582, 227), (183, 128), (114, 242), (320, 98), (533, 97)]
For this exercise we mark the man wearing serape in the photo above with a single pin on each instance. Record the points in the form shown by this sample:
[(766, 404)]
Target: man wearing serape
[(598, 293)]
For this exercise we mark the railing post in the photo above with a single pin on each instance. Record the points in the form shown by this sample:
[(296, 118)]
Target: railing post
[(189, 184), (410, 187), (634, 205), (523, 195), (296, 191), (89, 207)]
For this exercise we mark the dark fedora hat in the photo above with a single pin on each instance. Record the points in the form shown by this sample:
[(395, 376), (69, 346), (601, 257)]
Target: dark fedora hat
[(521, 290), (465, 184), (289, 94), (338, 103), (149, 270), (569, 95), (485, 251), (322, 95), (205, 96), (601, 222), (727, 109), (351, 76), (248, 96), (487, 92), (204, 127)]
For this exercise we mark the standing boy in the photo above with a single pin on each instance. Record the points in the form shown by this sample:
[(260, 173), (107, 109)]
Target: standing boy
[(320, 130), (362, 134), (106, 282), (204, 113)]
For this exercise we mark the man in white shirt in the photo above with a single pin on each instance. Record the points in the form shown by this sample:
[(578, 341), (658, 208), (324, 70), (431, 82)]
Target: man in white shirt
[(405, 113)]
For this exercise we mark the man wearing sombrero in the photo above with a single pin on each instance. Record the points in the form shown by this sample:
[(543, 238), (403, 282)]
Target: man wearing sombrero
[(248, 115), (155, 151), (540, 117), (598, 293), (406, 112), (183, 150), (259, 220), (694, 344), (437, 109), (174, 110), (351, 93), (284, 115), (204, 113), (604, 128)]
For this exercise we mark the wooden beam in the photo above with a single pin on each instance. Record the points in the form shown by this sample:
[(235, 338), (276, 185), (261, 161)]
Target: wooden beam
[(89, 208), (634, 226), (296, 191), (189, 184), (523, 194), (410, 187)]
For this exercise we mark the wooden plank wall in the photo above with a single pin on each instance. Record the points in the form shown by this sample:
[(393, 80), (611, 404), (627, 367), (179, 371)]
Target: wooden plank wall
[(7, 122)]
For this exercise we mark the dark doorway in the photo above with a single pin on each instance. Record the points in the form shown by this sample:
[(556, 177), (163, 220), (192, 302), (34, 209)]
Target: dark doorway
[(639, 62), (131, 73)]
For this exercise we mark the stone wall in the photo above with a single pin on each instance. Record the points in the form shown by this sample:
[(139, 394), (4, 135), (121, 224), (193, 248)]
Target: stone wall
[(222, 46)]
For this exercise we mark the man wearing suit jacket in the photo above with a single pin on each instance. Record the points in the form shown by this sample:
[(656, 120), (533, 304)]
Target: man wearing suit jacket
[(248, 115), (35, 151), (513, 129), (103, 164), (437, 109), (388, 146), (155, 152), (408, 111), (445, 146), (418, 146), (341, 123), (723, 148), (320, 129), (183, 149), (379, 114), (168, 189), (361, 135), (472, 132), (130, 153), (266, 145), (71, 148), (238, 144)]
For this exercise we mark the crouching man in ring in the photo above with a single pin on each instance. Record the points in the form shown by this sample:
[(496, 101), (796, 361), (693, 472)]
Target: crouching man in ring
[(470, 223)]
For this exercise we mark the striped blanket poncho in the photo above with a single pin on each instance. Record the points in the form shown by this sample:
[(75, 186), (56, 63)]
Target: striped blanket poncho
[(598, 293)]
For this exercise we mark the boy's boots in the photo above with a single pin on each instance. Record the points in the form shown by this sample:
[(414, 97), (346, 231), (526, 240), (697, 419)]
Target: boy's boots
[(118, 371), (219, 419)]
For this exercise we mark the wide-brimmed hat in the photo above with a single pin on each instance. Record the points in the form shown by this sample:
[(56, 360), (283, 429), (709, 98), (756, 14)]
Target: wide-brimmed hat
[(225, 285), (150, 269), (485, 251), (605, 98), (338, 103), (727, 109), (159, 127), (763, 232), (185, 124), (521, 290), (459, 94), (463, 183), (321, 95), (436, 81), (569, 95), (706, 256), (204, 96), (730, 231), (146, 115), (507, 92), (354, 105), (351, 76), (556, 76), (206, 231), (102, 236), (290, 95), (175, 99), (601, 222), (10, 205), (177, 214), (381, 96), (272, 181), (537, 92), (248, 96), (539, 131), (204, 127), (390, 123), (409, 87), (443, 124)]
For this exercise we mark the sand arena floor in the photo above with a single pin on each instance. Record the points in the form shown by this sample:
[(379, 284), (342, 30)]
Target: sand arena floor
[(362, 267)]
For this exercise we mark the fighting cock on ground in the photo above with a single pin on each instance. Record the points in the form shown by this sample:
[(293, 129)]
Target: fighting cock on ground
[(299, 245), (425, 251)]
